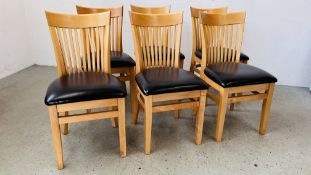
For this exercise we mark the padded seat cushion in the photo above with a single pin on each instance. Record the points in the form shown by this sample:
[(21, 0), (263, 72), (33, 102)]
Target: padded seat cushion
[(181, 56), (243, 57), (121, 59), (154, 81), (84, 87), (237, 74)]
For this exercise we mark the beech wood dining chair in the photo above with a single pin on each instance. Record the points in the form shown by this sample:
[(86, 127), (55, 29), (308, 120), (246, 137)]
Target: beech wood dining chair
[(222, 36), (197, 43), (158, 10), (121, 63), (85, 81), (196, 36), (159, 79)]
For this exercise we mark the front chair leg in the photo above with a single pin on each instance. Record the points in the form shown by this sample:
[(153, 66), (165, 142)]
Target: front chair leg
[(148, 123), (200, 118), (56, 136), (266, 105), (64, 127), (121, 119), (222, 107)]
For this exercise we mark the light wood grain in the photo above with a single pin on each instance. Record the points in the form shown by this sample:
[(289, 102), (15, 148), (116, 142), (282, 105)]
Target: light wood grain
[(151, 10)]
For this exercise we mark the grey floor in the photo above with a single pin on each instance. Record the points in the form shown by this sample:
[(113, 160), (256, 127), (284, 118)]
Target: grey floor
[(92, 147)]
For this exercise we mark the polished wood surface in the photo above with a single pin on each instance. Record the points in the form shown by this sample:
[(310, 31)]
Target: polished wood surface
[(151, 10)]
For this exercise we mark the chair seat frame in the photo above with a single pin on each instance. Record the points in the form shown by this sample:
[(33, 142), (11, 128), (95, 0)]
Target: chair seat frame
[(177, 101)]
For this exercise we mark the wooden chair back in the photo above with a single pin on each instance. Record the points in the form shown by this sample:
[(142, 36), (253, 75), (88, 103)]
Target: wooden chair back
[(81, 42), (222, 36), (195, 16), (156, 39), (151, 10), (116, 19)]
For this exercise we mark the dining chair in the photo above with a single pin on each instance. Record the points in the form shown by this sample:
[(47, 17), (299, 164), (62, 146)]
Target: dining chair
[(222, 36), (158, 10), (85, 81), (196, 58), (121, 63), (159, 79), (196, 36)]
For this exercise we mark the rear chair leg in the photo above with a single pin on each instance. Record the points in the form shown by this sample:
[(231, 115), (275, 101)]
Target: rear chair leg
[(232, 104), (122, 134), (56, 137), (64, 127), (177, 112), (266, 105), (114, 121), (195, 109)]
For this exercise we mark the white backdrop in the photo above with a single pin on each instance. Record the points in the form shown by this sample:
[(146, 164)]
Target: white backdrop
[(14, 46), (277, 35)]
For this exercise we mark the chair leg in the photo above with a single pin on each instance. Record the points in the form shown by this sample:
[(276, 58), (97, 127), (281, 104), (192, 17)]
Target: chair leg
[(122, 133), (177, 112), (195, 110), (192, 65), (200, 118), (181, 64), (134, 102), (114, 121), (232, 104), (148, 123), (266, 105), (64, 127), (222, 107), (56, 136)]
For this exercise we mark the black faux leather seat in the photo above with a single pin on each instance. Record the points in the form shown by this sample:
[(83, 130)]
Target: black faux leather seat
[(154, 81), (121, 59), (84, 87), (181, 56), (243, 57), (237, 74)]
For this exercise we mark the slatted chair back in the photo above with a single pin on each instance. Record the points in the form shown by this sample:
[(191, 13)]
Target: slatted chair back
[(151, 10), (222, 36), (195, 17), (116, 19), (81, 42), (156, 39)]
